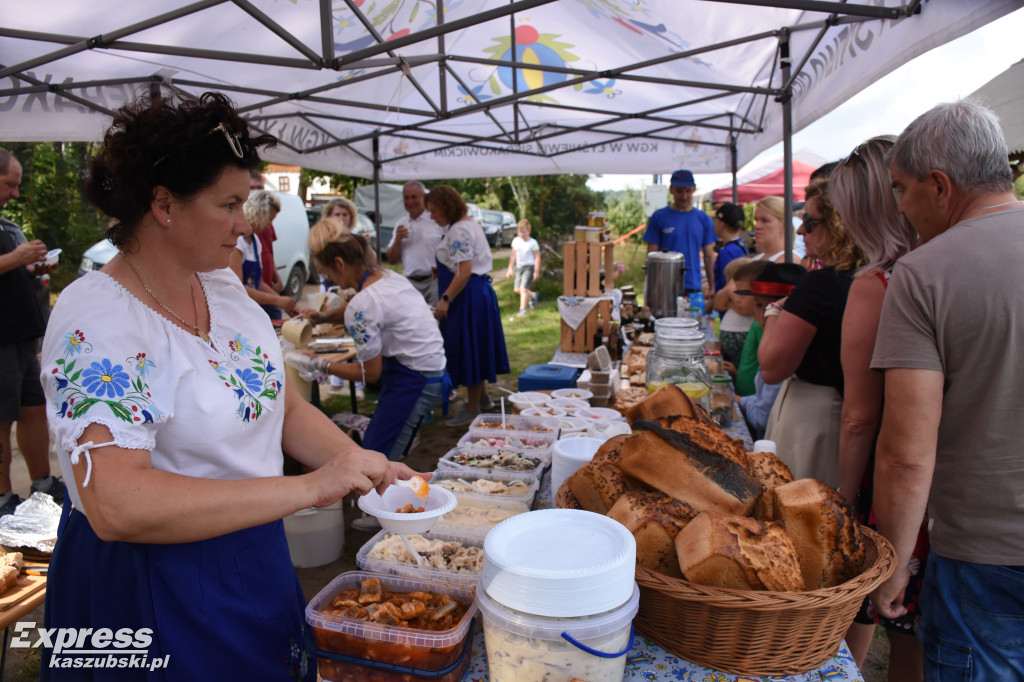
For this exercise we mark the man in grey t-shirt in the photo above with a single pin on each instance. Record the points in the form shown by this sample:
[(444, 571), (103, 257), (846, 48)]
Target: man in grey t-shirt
[(952, 433)]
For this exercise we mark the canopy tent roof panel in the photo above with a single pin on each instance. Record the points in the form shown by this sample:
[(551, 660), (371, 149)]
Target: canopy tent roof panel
[(1004, 94), (431, 89), (772, 184)]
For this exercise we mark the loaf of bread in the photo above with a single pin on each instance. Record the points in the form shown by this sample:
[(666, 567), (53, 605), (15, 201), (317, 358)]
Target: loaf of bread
[(667, 401), (693, 462), (600, 482), (736, 552), (654, 519), (8, 577), (771, 472), (16, 559), (823, 530)]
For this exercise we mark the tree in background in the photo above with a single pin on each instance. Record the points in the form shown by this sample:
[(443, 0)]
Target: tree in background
[(625, 211), (51, 206)]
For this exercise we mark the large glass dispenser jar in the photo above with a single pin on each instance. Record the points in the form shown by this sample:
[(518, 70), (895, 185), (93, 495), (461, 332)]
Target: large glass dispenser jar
[(678, 358)]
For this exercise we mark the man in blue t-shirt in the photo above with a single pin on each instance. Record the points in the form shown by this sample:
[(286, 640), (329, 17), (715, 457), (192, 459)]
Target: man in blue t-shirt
[(684, 229)]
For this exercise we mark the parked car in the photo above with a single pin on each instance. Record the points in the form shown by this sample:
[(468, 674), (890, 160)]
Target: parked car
[(291, 250), (491, 222), (509, 228)]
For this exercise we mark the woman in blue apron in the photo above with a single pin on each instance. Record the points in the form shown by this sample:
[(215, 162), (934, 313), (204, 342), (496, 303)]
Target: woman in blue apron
[(169, 412), (397, 340), (246, 262), (468, 307)]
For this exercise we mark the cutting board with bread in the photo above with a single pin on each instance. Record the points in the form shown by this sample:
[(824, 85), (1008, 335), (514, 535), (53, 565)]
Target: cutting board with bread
[(15, 583), (740, 568)]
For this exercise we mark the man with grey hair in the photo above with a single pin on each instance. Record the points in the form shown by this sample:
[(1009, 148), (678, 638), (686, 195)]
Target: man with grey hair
[(21, 394), (952, 432), (414, 241)]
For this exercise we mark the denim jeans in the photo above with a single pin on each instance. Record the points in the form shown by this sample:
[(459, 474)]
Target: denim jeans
[(428, 399), (972, 622)]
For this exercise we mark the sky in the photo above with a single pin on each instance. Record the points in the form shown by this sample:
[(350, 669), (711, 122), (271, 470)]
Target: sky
[(946, 73)]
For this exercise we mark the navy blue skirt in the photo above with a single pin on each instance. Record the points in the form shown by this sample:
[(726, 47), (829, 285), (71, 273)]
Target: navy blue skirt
[(474, 341), (227, 608)]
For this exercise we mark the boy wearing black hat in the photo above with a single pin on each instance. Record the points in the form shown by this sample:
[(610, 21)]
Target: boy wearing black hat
[(728, 224), (774, 283), (684, 229)]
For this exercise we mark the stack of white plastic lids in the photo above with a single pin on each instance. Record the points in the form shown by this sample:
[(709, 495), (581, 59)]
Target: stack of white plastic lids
[(765, 446), (568, 455), (561, 563)]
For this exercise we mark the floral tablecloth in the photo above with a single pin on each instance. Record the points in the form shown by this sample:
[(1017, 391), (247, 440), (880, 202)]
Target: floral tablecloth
[(648, 661)]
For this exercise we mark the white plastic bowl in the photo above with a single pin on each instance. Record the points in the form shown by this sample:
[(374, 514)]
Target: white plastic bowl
[(601, 414), (544, 411), (572, 425), (437, 504), (574, 393), (53, 256), (570, 405)]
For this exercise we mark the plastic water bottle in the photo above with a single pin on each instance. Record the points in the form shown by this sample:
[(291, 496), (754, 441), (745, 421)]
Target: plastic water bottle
[(697, 301)]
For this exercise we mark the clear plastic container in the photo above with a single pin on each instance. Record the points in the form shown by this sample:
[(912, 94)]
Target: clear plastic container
[(520, 442), (474, 517), (404, 564), (521, 646), (527, 493), (489, 423), (410, 647), (678, 358), (496, 461)]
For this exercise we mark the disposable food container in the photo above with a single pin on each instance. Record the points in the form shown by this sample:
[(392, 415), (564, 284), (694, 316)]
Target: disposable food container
[(369, 643), (570, 405), (520, 442), (497, 461), (403, 564), (546, 410), (489, 423), (384, 507), (525, 399), (523, 646), (474, 517), (576, 393), (525, 492), (572, 425)]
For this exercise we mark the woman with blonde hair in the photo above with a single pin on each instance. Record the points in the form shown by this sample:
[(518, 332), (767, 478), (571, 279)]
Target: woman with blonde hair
[(397, 339), (770, 229), (801, 343), (343, 209), (861, 189), (247, 262)]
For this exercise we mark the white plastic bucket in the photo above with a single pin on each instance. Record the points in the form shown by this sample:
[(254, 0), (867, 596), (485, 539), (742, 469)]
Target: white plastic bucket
[(315, 536)]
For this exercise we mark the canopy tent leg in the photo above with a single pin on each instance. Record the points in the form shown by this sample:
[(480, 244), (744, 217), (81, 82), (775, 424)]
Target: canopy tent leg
[(376, 191), (787, 144)]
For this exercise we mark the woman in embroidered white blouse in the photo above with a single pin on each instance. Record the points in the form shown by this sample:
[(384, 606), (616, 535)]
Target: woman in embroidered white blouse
[(170, 412)]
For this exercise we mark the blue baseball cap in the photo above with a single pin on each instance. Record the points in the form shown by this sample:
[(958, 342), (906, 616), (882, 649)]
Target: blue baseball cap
[(682, 178)]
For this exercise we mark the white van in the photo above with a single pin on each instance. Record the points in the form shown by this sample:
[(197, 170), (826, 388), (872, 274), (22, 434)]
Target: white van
[(291, 250)]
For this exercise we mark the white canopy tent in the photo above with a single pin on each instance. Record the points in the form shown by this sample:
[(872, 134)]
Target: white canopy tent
[(421, 89)]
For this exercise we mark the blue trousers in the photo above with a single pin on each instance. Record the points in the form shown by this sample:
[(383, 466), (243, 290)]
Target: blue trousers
[(972, 621)]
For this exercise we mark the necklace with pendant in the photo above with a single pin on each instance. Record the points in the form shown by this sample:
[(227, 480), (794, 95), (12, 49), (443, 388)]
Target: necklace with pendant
[(195, 306)]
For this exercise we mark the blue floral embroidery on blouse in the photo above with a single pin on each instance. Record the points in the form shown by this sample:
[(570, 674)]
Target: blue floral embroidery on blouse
[(357, 330), (458, 246), (102, 382), (252, 385)]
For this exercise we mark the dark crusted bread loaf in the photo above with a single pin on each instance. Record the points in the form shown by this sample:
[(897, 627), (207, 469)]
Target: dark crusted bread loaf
[(771, 472), (724, 550), (600, 482), (823, 529), (693, 462), (654, 519)]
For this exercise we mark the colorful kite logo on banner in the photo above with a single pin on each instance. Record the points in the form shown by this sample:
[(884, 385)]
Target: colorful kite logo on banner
[(531, 47)]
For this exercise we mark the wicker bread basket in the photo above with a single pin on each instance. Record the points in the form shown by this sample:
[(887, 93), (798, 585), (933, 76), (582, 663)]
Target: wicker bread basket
[(752, 632)]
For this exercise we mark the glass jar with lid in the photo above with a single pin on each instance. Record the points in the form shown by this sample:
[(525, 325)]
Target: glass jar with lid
[(721, 399), (678, 358)]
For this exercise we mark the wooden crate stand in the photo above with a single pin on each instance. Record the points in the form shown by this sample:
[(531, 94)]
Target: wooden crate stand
[(582, 277)]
